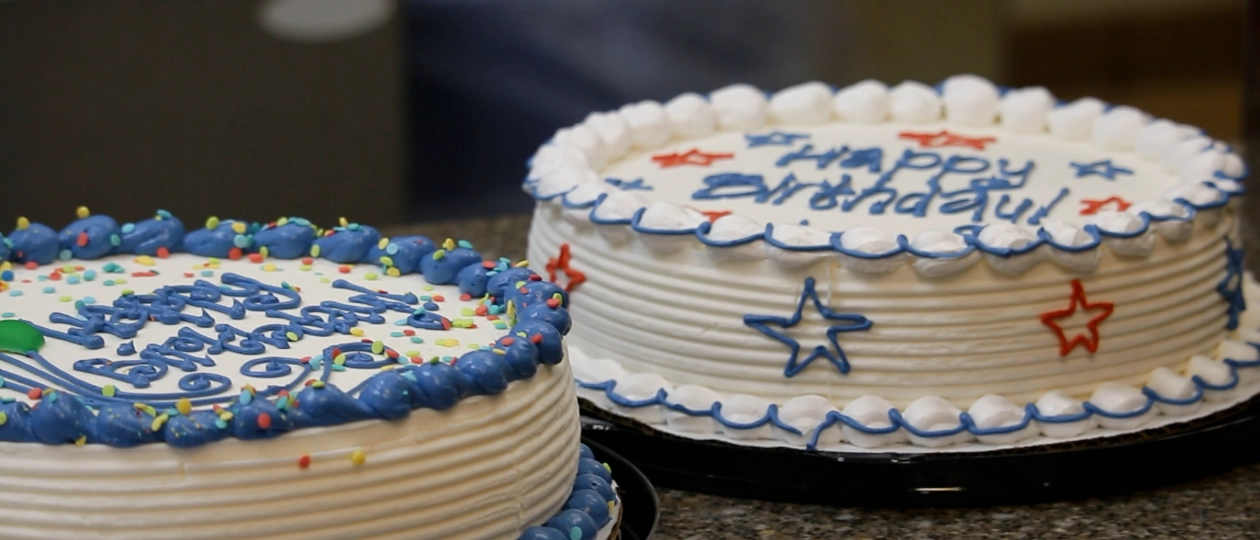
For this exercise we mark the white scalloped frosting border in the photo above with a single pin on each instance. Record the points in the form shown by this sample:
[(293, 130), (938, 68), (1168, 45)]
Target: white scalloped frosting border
[(870, 424), (565, 172)]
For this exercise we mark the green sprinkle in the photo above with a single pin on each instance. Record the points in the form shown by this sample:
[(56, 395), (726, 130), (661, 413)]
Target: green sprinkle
[(378, 347), (109, 390), (417, 340)]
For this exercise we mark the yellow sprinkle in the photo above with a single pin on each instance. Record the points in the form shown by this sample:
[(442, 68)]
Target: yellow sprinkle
[(4, 418), (393, 272), (370, 276), (82, 440), (448, 245), (291, 335), (522, 264), (340, 359), (325, 280), (474, 346), (427, 287), (378, 347), (386, 261), (23, 224), (269, 267), (315, 250), (146, 408), (343, 221), (384, 242), (82, 212), (158, 421), (226, 416), (109, 390), (358, 457), (437, 255), (607, 467), (388, 367), (184, 406), (239, 227), (212, 223), (499, 352), (305, 268), (145, 260), (6, 265), (65, 299), (511, 309), (264, 251), (356, 331)]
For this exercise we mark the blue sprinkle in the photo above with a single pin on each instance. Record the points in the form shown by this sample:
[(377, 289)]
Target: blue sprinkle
[(391, 249), (6, 275), (65, 255), (220, 424), (89, 275), (172, 412), (400, 322), (73, 280), (115, 240), (246, 398), (395, 334), (89, 300), (79, 305), (464, 244), (129, 228), (15, 293), (431, 306), (164, 214), (8, 399), (49, 290), (41, 278), (575, 533), (241, 241), (50, 397), (336, 367), (1, 382), (207, 273), (108, 283), (8, 314), (417, 339), (352, 227)]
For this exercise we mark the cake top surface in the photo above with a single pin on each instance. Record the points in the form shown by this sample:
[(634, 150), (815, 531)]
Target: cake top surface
[(912, 167), (266, 328)]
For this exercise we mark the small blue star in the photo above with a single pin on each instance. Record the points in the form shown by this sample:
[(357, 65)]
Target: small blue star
[(774, 138), (1231, 287), (1102, 168), (629, 185), (853, 322)]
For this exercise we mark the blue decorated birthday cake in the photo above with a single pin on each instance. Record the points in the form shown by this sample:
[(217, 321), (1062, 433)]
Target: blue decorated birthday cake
[(246, 380), (959, 267)]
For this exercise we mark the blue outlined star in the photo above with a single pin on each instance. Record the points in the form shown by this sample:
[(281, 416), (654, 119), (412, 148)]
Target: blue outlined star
[(1231, 287), (1102, 168), (629, 185), (854, 322), (774, 138)]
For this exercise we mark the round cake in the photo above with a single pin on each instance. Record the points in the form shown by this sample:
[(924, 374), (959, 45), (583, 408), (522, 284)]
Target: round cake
[(961, 266), (277, 380)]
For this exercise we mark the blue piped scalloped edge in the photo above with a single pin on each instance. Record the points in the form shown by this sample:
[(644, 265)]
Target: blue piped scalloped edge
[(585, 451), (965, 423), (72, 415), (973, 242)]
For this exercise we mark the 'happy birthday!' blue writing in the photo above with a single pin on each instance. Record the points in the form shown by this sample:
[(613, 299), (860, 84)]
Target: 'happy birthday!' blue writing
[(984, 181)]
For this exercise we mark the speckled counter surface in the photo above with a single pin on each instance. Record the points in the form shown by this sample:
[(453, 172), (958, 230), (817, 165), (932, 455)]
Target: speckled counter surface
[(1226, 506)]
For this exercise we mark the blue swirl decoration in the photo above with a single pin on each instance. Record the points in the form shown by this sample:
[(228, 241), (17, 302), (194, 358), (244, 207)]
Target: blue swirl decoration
[(297, 393)]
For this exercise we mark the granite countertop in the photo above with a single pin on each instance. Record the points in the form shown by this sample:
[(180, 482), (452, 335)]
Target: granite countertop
[(1226, 506)]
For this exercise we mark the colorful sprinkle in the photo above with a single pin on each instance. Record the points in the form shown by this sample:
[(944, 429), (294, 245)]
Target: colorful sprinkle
[(82, 212), (184, 406), (109, 390), (304, 461), (358, 457)]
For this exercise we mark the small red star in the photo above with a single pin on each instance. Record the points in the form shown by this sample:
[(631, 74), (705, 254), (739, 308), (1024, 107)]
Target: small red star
[(691, 157), (561, 264), (1078, 298), (1092, 206), (945, 138), (713, 215)]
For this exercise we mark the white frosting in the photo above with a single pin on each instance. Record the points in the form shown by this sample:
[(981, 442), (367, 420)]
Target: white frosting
[(1075, 121), (587, 141), (648, 123), (914, 103), (970, 101), (613, 130), (739, 107), (807, 104), (1117, 129), (1155, 139), (863, 103), (691, 116), (1024, 110)]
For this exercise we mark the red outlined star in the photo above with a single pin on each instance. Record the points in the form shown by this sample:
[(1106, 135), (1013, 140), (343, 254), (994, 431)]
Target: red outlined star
[(1091, 341), (690, 157), (560, 264), (945, 138), (713, 215), (1093, 206)]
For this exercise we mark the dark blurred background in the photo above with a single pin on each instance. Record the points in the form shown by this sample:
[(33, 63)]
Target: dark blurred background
[(392, 112)]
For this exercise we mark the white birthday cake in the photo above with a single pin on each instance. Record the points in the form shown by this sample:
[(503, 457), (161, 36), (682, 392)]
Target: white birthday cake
[(277, 380), (953, 267)]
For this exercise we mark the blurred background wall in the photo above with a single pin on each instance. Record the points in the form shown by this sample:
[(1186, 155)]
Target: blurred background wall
[(427, 109)]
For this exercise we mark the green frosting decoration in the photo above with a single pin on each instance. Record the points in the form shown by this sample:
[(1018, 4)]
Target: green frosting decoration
[(19, 337)]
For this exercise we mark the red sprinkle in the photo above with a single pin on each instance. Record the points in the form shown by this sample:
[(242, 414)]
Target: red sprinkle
[(234, 254), (535, 277), (30, 265), (163, 253), (336, 353), (487, 264), (188, 274), (35, 393), (409, 332), (264, 421), (391, 353), (524, 290), (553, 303), (304, 461), (343, 269), (308, 261), (536, 339), (439, 298), (465, 297), (283, 393), (481, 310), (83, 239), (446, 323), (306, 360), (255, 258), (365, 340), (507, 341), (417, 360), (55, 276)]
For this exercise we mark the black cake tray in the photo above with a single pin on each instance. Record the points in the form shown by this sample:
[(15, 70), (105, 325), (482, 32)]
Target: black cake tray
[(1087, 468), (640, 507)]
